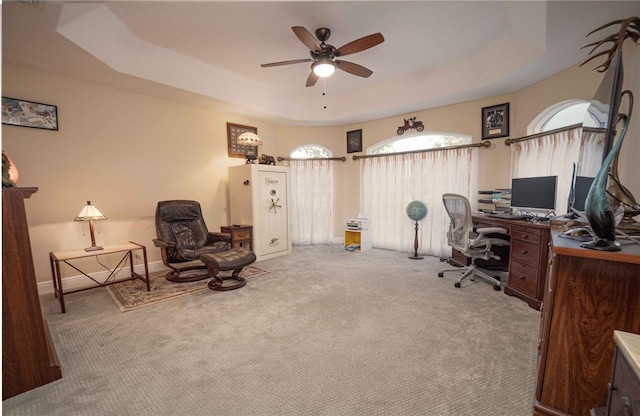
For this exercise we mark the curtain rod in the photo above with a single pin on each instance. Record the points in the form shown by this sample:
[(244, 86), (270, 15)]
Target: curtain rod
[(544, 133), (483, 144), (342, 159)]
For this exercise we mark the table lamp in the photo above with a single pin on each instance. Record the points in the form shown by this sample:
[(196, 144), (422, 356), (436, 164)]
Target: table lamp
[(91, 213), (249, 139)]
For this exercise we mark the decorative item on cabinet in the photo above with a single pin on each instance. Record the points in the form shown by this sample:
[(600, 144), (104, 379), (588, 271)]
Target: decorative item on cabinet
[(9, 172), (267, 160), (252, 141), (610, 204), (259, 195)]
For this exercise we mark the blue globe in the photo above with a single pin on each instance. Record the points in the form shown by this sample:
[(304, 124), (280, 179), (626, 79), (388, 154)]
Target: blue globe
[(417, 210)]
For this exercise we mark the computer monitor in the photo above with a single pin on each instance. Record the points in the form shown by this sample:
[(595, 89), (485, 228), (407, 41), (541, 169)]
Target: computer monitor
[(581, 188), (536, 193)]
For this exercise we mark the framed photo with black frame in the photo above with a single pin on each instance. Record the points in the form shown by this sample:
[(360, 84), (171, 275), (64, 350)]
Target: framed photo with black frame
[(23, 113), (495, 121), (233, 132), (354, 141)]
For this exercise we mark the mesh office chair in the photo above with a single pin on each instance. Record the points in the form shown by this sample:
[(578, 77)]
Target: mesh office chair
[(473, 244)]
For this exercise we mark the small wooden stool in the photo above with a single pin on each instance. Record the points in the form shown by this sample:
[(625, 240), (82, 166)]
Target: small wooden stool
[(234, 259)]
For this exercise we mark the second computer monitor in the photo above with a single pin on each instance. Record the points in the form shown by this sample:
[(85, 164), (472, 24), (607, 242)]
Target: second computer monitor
[(536, 193), (580, 190)]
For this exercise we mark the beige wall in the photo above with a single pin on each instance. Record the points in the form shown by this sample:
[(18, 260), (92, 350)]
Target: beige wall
[(126, 151), (121, 150)]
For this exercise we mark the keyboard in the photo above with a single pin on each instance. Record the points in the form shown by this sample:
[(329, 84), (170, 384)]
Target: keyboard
[(506, 216)]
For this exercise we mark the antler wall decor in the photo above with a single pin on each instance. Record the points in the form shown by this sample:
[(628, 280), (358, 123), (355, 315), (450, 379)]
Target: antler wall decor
[(629, 29)]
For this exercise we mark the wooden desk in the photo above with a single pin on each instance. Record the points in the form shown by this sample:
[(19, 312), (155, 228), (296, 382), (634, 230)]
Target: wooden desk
[(55, 257), (525, 258), (589, 294)]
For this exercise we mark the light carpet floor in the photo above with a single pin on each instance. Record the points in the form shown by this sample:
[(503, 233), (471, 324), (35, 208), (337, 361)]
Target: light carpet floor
[(325, 332)]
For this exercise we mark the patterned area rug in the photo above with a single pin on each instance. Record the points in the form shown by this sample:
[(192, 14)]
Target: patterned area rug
[(132, 294)]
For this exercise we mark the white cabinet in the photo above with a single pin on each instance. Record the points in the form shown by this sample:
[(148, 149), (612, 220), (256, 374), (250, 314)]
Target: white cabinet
[(259, 195), (357, 240)]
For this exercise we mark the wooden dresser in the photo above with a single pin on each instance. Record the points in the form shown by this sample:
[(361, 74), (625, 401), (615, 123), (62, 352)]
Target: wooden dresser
[(588, 295), (29, 359)]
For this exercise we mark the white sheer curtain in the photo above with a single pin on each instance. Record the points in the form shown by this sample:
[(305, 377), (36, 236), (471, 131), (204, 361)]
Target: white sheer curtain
[(591, 150), (554, 154), (311, 201), (389, 183)]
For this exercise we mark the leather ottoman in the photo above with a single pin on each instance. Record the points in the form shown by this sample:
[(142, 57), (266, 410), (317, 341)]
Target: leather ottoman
[(234, 259)]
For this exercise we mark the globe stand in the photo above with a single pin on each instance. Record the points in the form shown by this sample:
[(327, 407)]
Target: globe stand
[(415, 247)]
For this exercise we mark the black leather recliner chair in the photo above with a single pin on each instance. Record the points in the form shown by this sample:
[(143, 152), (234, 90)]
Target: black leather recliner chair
[(183, 237)]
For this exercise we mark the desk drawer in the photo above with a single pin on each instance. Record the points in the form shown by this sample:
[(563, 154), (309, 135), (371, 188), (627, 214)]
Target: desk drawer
[(524, 276), (525, 252), (243, 235), (532, 236)]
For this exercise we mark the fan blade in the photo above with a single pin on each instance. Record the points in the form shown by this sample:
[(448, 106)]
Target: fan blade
[(307, 38), (361, 44), (295, 61), (354, 69), (312, 79)]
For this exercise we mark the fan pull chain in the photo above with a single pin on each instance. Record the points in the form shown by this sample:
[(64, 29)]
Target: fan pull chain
[(324, 93)]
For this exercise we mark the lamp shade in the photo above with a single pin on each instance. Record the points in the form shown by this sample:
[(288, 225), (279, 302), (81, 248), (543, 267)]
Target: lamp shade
[(90, 213), (323, 68), (249, 139)]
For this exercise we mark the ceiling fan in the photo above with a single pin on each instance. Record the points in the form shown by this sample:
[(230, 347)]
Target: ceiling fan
[(323, 55)]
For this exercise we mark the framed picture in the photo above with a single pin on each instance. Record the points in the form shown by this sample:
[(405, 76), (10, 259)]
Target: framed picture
[(29, 114), (233, 132), (495, 121), (354, 141)]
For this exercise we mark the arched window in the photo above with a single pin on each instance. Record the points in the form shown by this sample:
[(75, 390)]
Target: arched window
[(559, 151), (310, 151), (428, 140), (565, 113)]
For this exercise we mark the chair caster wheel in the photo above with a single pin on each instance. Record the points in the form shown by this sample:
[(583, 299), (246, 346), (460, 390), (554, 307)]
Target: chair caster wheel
[(496, 287), (440, 274), (457, 284), (443, 259)]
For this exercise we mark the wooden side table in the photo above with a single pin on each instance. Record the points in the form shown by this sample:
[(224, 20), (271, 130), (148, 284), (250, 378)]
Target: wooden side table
[(55, 257), (240, 235)]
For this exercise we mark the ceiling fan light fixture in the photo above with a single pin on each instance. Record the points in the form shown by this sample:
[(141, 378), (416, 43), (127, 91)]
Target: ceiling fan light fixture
[(323, 68)]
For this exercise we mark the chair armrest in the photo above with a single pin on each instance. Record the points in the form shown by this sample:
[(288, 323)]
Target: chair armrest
[(163, 244), (215, 236), (482, 239)]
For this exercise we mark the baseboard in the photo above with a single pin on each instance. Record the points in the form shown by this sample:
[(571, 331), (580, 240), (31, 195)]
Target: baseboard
[(82, 282)]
